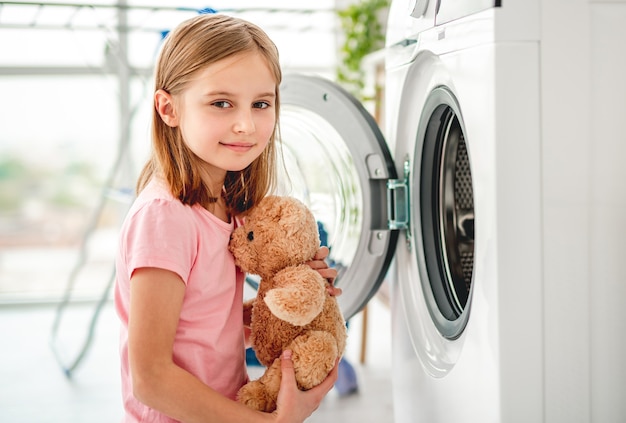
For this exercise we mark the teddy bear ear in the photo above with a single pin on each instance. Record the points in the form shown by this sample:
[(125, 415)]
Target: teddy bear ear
[(296, 217)]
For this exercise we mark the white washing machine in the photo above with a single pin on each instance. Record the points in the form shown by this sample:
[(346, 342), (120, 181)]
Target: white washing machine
[(497, 196), (468, 308), (501, 114)]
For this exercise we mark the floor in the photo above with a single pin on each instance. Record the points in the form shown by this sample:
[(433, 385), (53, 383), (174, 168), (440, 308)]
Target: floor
[(34, 389)]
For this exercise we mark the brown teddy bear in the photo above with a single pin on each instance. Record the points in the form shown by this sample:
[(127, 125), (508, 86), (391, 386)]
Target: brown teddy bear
[(292, 309)]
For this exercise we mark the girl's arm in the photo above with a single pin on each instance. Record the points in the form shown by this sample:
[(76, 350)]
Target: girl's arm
[(156, 301)]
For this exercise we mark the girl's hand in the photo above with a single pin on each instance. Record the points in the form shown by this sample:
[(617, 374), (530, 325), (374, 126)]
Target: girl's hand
[(294, 405), (330, 274)]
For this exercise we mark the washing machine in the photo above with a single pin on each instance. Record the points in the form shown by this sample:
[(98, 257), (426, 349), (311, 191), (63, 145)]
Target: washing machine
[(504, 309), (468, 304), (491, 201)]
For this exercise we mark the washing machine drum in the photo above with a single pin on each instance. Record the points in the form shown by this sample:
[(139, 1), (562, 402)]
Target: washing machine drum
[(445, 213)]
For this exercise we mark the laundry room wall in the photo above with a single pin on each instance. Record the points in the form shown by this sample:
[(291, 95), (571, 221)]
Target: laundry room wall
[(608, 196), (584, 174)]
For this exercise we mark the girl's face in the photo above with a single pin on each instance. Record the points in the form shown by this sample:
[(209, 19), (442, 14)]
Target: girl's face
[(227, 113)]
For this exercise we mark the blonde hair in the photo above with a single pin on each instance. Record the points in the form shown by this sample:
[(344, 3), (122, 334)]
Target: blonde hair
[(193, 45)]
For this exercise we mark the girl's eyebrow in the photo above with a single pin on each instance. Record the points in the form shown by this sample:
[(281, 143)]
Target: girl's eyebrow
[(229, 94)]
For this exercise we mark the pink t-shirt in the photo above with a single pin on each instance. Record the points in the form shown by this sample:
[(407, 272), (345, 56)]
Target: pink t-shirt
[(161, 232)]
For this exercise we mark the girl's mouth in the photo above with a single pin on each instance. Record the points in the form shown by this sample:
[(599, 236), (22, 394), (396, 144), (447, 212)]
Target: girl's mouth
[(238, 147)]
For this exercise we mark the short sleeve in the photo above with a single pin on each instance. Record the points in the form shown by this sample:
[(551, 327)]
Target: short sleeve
[(161, 234)]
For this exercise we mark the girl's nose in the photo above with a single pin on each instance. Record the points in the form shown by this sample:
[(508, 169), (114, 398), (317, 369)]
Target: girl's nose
[(244, 122)]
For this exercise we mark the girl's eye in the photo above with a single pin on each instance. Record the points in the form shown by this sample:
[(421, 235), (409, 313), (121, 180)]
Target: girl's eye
[(261, 105), (221, 104)]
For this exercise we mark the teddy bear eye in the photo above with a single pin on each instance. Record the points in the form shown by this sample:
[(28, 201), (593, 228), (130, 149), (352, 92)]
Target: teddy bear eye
[(250, 236)]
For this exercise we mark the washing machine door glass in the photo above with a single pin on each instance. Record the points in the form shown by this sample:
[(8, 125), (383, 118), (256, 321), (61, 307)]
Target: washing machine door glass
[(337, 162), (446, 213)]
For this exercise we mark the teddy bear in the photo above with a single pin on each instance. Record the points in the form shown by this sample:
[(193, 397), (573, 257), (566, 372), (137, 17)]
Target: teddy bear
[(292, 308)]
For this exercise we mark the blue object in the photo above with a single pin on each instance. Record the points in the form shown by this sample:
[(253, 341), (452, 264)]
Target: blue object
[(346, 381), (251, 359), (323, 234), (207, 11)]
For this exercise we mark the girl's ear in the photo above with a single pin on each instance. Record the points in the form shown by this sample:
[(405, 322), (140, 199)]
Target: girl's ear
[(165, 107)]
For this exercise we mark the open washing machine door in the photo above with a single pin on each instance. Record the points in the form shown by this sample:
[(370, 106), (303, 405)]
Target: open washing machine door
[(337, 162)]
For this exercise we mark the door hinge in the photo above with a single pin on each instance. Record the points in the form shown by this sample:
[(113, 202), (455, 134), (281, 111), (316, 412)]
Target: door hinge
[(399, 203)]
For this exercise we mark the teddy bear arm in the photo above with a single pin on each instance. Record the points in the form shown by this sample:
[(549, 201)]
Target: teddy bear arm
[(299, 296)]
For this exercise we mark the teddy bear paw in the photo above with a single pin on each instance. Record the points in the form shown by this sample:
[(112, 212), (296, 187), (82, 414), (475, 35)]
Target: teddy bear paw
[(254, 395)]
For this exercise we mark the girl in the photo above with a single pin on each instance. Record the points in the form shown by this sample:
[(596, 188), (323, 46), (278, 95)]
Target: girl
[(178, 293)]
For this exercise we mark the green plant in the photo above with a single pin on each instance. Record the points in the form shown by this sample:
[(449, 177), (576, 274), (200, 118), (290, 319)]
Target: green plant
[(363, 34)]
